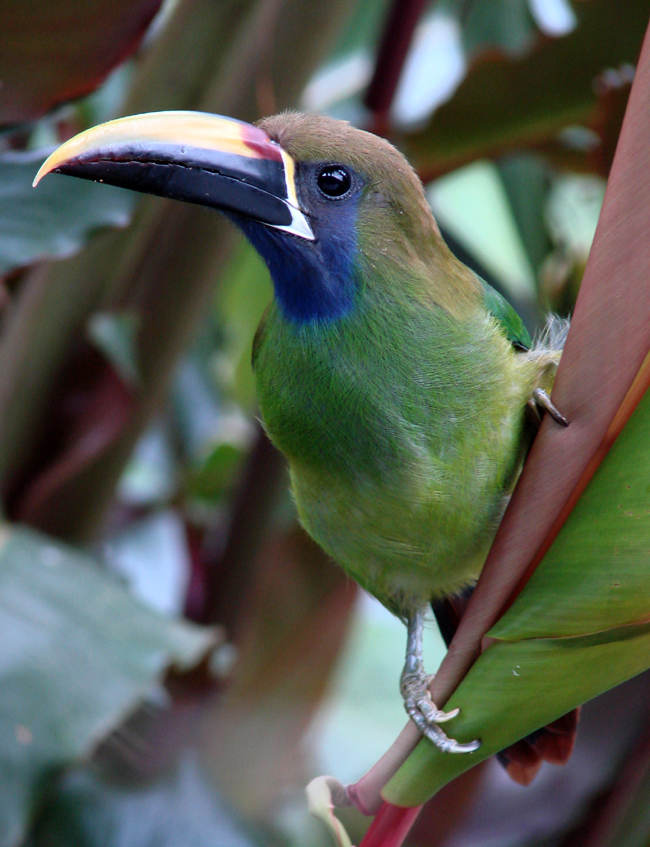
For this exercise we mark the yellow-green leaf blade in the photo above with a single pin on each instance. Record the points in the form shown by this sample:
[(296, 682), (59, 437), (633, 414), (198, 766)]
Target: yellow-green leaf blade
[(596, 575), (512, 690)]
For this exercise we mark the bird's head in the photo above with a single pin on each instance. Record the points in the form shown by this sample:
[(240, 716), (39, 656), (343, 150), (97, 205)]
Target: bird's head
[(325, 204)]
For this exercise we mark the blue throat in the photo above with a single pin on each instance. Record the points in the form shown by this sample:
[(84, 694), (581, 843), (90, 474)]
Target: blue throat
[(313, 281)]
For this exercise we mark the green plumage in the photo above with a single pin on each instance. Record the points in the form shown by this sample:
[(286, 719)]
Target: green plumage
[(403, 421), (511, 323)]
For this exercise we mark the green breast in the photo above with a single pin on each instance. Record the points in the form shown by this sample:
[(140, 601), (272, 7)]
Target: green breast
[(402, 429), (322, 401)]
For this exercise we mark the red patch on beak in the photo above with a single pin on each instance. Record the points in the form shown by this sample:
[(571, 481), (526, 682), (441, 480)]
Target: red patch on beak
[(257, 140)]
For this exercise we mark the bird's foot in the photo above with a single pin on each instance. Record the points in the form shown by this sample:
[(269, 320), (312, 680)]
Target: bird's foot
[(426, 715), (414, 685), (415, 692), (541, 400)]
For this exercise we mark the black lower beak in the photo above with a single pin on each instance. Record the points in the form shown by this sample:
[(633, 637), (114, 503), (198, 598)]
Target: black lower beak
[(205, 159)]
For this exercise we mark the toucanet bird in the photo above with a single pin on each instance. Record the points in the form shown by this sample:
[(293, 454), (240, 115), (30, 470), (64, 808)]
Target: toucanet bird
[(395, 381)]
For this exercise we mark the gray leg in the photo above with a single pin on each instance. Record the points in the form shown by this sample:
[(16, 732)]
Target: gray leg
[(414, 685)]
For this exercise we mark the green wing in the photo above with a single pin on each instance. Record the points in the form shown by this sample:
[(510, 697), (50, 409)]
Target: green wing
[(511, 323)]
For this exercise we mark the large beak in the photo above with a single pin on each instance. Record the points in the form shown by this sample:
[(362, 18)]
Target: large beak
[(201, 158)]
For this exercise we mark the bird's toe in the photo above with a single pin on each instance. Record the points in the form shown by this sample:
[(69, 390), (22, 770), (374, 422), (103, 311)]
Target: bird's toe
[(426, 715)]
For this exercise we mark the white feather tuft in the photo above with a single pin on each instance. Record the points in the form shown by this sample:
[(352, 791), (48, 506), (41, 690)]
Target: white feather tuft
[(552, 337)]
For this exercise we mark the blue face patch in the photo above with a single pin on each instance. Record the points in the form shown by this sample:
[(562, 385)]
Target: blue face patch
[(313, 280)]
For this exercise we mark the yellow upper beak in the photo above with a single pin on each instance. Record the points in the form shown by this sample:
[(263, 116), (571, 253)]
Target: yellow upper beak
[(201, 158)]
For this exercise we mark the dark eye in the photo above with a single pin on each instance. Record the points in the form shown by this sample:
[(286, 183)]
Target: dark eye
[(334, 180)]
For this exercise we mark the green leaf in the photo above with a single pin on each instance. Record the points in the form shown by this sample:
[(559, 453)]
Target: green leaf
[(514, 688), (505, 25), (53, 52), (78, 653), (472, 205), (596, 575), (54, 219), (180, 809), (526, 181), (214, 477), (115, 336)]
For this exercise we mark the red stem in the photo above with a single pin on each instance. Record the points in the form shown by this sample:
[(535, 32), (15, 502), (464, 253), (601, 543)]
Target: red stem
[(390, 826), (396, 40)]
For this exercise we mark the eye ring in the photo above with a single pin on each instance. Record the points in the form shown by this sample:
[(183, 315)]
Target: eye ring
[(334, 181)]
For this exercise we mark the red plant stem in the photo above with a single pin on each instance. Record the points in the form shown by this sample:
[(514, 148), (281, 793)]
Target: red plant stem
[(390, 826), (396, 40)]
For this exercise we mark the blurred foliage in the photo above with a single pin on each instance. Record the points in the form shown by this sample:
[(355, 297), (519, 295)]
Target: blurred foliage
[(127, 399), (179, 808), (59, 612), (505, 102), (58, 220), (53, 52)]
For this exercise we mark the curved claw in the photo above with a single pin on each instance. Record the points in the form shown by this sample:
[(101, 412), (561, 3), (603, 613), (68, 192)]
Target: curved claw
[(453, 746), (441, 716), (433, 733), (541, 400), (426, 716)]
